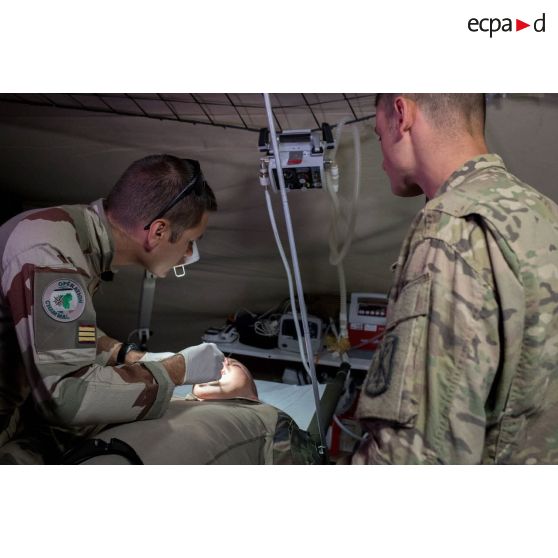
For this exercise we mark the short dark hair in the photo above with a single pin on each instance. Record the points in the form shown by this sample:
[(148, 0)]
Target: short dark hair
[(445, 110), (148, 185)]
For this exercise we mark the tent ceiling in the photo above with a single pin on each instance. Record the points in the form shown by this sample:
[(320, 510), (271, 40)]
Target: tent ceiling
[(230, 110)]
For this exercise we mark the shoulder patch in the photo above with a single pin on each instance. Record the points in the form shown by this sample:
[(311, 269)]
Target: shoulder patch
[(379, 375), (64, 300)]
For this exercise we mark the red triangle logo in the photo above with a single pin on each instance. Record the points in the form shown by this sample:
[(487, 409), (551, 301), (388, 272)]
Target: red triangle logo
[(519, 25)]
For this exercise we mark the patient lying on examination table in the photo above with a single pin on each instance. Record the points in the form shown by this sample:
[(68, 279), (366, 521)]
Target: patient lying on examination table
[(222, 422)]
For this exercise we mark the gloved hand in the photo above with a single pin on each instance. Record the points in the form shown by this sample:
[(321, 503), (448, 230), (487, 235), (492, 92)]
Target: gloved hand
[(203, 363)]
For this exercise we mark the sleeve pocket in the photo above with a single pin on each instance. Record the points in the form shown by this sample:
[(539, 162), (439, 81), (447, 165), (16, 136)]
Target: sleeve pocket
[(393, 384)]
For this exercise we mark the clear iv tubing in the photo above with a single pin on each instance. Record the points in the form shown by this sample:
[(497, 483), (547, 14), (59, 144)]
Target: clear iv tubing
[(336, 255), (294, 257)]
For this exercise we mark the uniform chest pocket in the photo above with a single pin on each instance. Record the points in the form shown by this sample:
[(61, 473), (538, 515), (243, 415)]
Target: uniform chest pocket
[(392, 388)]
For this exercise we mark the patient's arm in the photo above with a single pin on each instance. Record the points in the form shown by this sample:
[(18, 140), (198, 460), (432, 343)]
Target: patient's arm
[(236, 381)]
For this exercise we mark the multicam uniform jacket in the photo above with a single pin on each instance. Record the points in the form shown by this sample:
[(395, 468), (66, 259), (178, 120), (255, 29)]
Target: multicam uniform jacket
[(468, 368), (53, 359)]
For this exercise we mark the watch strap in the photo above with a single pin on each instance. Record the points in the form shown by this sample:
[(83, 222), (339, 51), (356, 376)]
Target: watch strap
[(125, 348)]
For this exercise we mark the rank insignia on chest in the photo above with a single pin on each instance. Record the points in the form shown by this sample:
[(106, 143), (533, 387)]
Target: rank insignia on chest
[(86, 334)]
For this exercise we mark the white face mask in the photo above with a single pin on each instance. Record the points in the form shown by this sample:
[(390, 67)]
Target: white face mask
[(179, 270)]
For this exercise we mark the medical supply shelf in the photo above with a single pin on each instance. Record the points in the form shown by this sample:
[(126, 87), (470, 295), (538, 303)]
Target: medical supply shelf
[(359, 360)]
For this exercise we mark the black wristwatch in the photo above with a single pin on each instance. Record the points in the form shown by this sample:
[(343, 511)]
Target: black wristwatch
[(124, 350)]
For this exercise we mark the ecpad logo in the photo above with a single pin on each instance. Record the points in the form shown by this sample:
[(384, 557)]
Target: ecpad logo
[(494, 24)]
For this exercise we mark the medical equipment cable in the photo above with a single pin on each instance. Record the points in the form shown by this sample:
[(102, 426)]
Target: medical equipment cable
[(345, 429), (296, 270), (289, 277), (338, 254), (264, 180)]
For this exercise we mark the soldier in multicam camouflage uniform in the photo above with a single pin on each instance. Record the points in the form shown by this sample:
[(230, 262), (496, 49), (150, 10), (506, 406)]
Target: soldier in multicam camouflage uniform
[(468, 369), (62, 379)]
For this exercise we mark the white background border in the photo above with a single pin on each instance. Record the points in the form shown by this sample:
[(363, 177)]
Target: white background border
[(287, 46)]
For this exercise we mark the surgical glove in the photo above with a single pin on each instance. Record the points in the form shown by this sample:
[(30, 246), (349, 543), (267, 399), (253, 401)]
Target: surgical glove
[(203, 363), (150, 357)]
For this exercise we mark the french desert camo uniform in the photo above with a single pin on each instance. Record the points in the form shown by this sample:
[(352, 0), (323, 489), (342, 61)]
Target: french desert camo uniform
[(53, 357), (468, 369), (56, 384)]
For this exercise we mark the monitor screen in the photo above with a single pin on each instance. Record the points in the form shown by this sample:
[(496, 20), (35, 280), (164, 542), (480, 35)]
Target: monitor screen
[(294, 138)]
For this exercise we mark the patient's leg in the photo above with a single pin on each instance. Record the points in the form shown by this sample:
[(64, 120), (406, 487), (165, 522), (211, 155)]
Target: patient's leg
[(200, 432)]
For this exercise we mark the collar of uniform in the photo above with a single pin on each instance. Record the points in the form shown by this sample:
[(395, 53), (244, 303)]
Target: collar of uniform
[(470, 167), (104, 240)]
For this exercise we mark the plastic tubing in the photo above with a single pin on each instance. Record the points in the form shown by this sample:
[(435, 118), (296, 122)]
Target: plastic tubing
[(289, 277), (336, 254), (296, 271)]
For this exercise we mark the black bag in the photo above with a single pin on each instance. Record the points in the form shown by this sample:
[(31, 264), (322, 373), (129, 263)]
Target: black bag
[(247, 334)]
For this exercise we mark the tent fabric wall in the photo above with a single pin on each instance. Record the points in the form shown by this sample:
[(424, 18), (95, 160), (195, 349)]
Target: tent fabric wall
[(54, 156)]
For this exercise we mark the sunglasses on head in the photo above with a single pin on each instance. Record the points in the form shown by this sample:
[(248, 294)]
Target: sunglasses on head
[(196, 185)]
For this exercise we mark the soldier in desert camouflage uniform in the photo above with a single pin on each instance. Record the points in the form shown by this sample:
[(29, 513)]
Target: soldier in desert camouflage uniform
[(61, 378), (468, 368)]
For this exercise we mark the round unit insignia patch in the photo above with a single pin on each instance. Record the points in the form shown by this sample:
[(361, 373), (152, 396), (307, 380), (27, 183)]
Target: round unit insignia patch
[(64, 300)]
